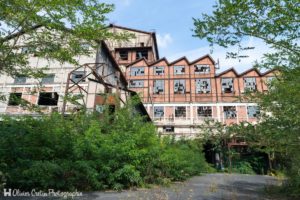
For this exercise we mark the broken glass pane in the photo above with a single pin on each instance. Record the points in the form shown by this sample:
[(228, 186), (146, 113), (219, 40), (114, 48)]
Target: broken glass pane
[(203, 86)]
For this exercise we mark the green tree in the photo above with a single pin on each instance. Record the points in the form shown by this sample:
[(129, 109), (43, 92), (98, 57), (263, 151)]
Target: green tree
[(55, 30), (277, 24)]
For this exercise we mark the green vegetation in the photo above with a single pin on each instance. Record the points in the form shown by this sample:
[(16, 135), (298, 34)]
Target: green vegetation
[(277, 24), (92, 152), (69, 27)]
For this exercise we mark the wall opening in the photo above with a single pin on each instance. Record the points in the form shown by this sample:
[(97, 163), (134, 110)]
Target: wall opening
[(48, 99)]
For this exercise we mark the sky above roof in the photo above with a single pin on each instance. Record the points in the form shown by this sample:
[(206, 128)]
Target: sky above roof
[(173, 23)]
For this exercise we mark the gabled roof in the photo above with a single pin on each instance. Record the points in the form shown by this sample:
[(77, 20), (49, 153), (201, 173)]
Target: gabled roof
[(269, 71), (141, 59), (180, 59), (129, 29), (160, 60), (201, 58), (250, 70), (153, 34), (226, 71)]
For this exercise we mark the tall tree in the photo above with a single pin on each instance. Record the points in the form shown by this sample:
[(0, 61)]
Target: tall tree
[(52, 29), (277, 24)]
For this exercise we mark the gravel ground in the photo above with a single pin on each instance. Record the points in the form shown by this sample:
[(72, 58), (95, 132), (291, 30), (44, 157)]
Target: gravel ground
[(206, 187)]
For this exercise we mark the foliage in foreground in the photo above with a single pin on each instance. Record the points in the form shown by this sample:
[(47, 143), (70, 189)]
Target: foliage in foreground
[(276, 23), (85, 153)]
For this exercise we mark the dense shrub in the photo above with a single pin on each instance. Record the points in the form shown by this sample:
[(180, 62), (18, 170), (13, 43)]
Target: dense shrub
[(91, 152)]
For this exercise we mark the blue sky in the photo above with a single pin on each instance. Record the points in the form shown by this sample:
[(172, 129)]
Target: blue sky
[(173, 23)]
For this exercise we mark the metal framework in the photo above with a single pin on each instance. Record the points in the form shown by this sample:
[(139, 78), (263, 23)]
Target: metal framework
[(90, 69)]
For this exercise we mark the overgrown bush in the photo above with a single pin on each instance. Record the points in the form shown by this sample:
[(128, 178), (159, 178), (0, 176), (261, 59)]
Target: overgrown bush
[(92, 152)]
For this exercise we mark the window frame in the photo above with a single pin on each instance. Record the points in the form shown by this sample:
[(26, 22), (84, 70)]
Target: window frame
[(234, 110), (223, 90), (139, 56), (163, 111), (137, 86), (155, 91), (201, 91), (246, 88), (14, 102), (184, 114), (47, 78), (205, 115), (182, 69), (132, 69), (155, 72), (23, 78), (54, 100), (257, 112), (207, 66), (184, 85)]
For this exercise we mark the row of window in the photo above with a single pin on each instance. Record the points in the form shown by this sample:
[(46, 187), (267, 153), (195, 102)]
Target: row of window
[(123, 54), (206, 111), (45, 99), (77, 76), (202, 85), (178, 70)]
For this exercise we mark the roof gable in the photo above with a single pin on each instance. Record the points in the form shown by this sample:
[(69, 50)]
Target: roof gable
[(227, 71), (250, 70)]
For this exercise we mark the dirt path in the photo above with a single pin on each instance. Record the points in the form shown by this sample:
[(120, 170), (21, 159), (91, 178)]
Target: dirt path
[(206, 187)]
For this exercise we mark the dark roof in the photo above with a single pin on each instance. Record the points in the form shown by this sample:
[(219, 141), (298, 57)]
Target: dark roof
[(182, 58), (137, 62), (153, 34), (129, 29), (226, 71), (157, 61), (269, 71), (201, 58), (250, 70)]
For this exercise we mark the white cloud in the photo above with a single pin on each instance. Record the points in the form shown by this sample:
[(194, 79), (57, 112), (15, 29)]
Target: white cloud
[(164, 41), (219, 53)]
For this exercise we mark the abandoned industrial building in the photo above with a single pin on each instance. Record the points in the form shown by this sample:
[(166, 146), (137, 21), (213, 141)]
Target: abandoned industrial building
[(178, 96)]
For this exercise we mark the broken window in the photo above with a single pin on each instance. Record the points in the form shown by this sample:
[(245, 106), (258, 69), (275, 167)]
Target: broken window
[(227, 85), (230, 112), (137, 71), (158, 86), (14, 99), (204, 111), (203, 86), (269, 79), (159, 71), (77, 76), (179, 70), (249, 84), (136, 83), (179, 86), (269, 82), (85, 46), (168, 129), (253, 111), (48, 79), (142, 54), (20, 80), (123, 54), (202, 69), (159, 111), (27, 50), (180, 111), (48, 99)]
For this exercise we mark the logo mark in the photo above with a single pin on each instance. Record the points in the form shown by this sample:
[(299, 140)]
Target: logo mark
[(7, 193)]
